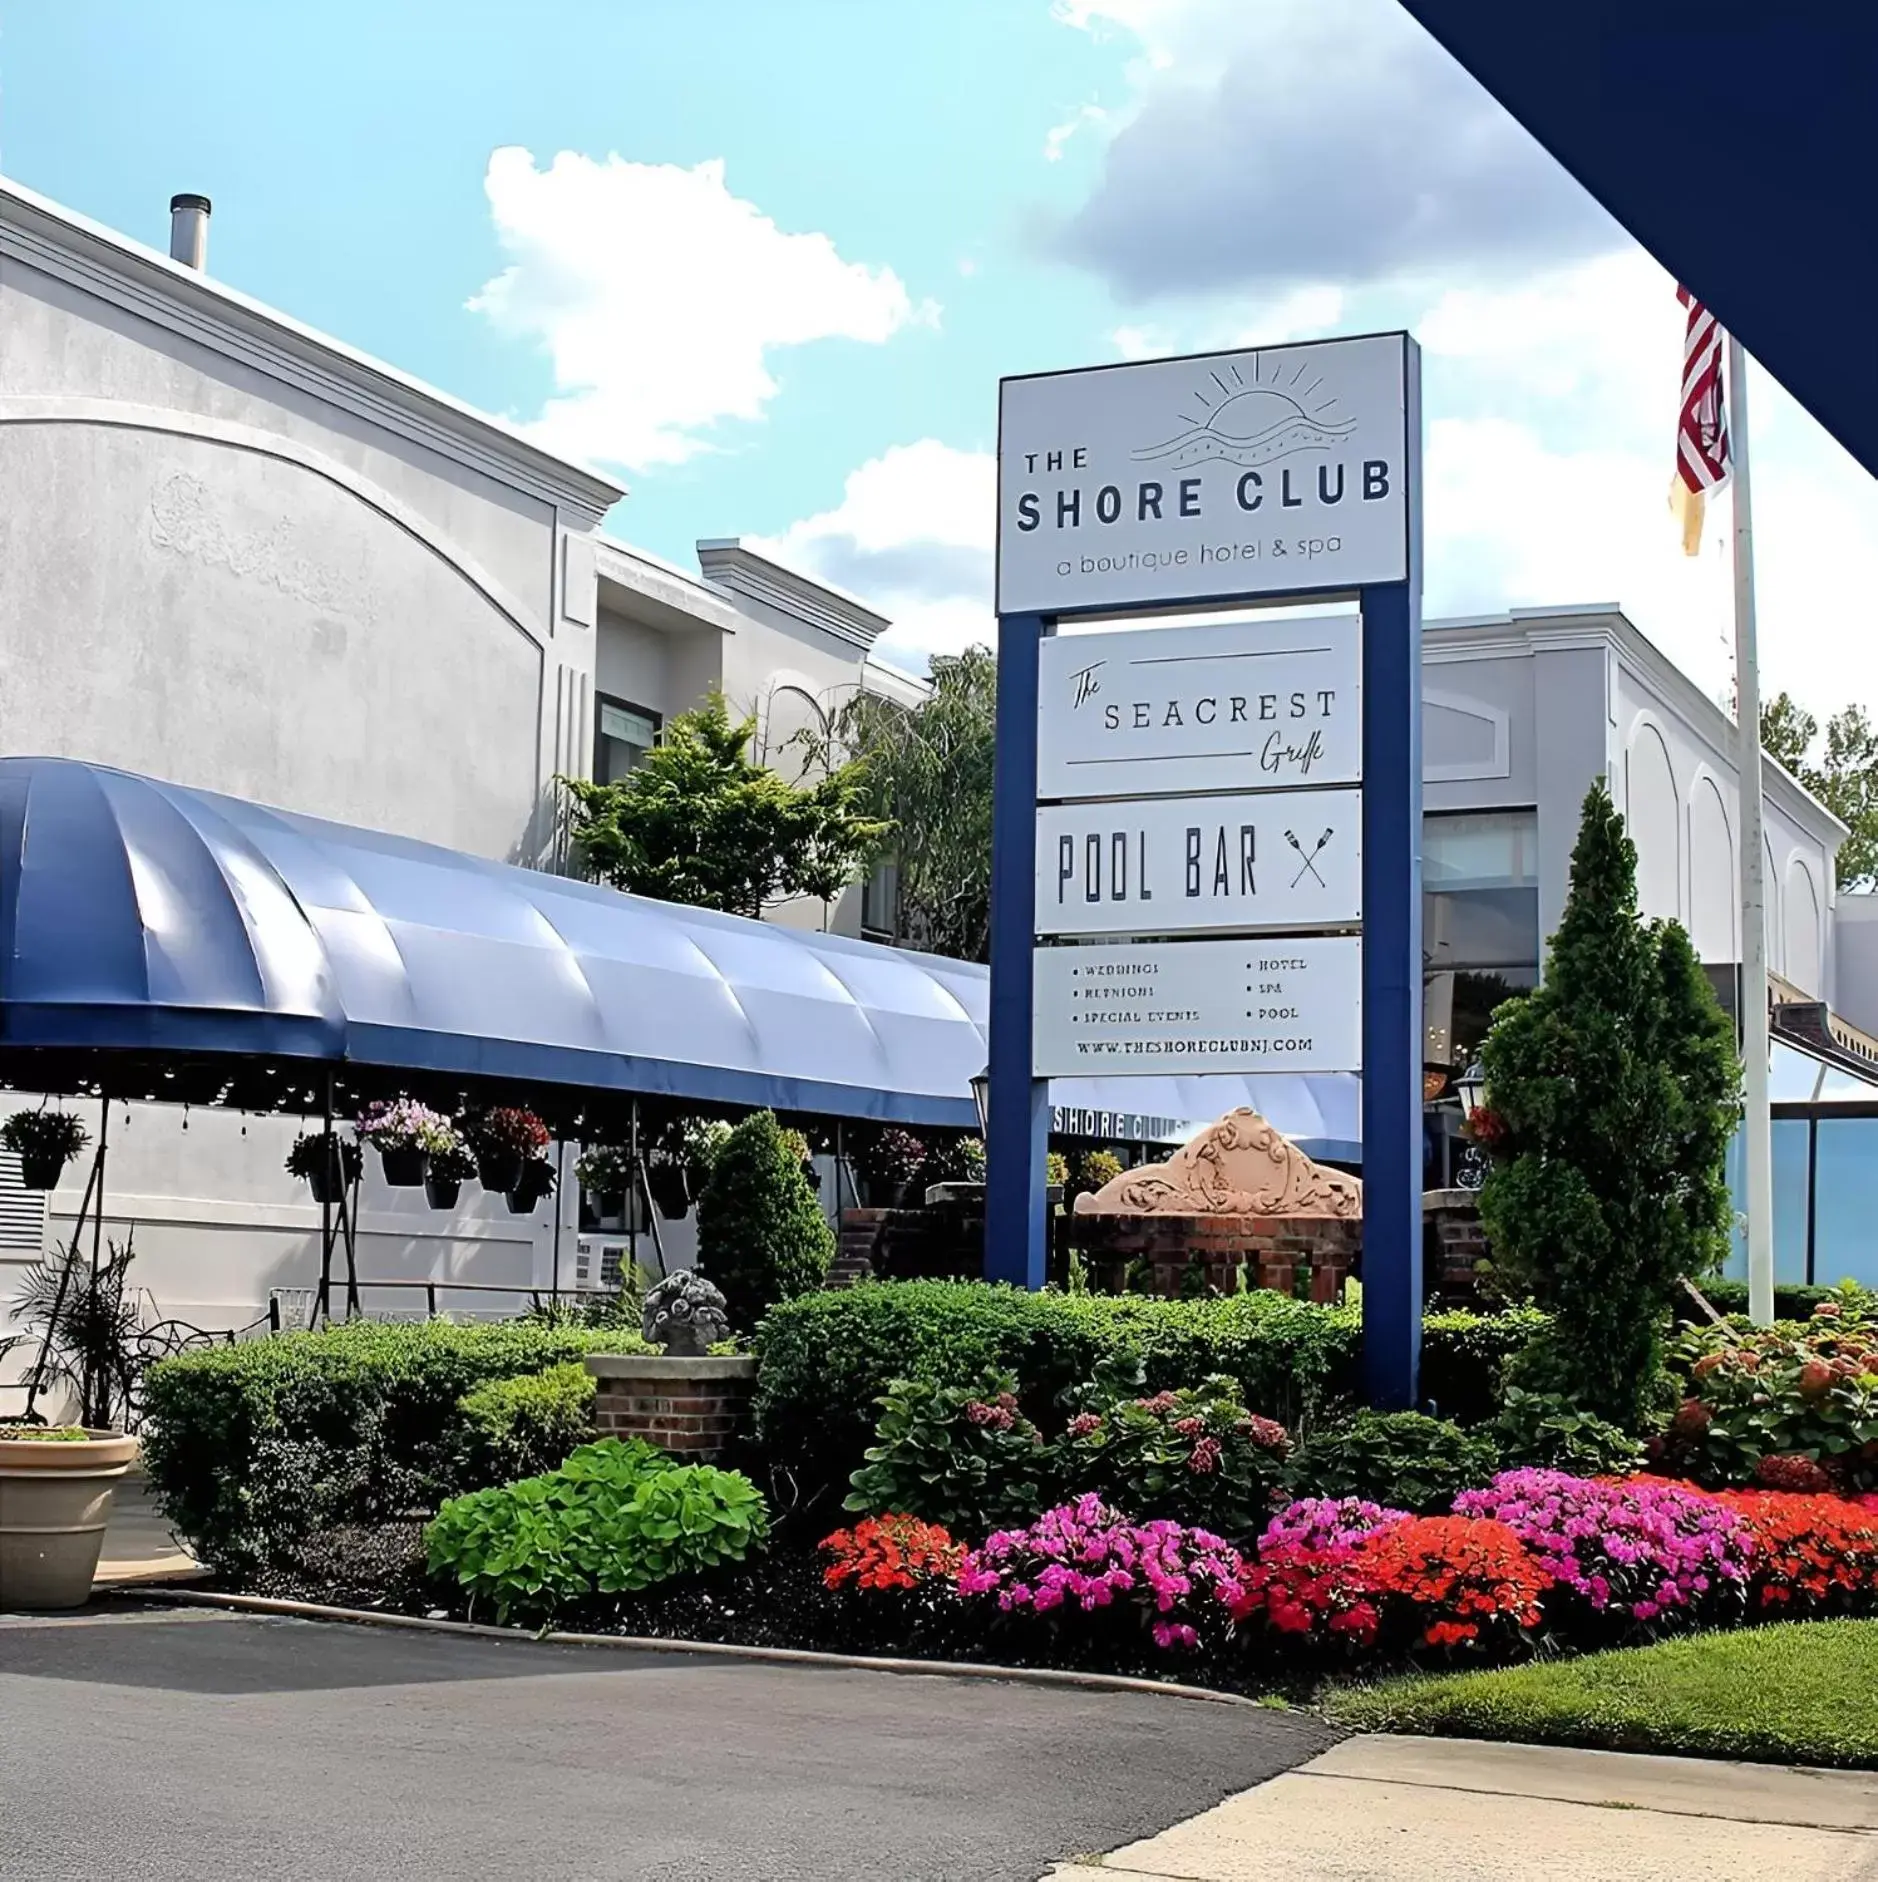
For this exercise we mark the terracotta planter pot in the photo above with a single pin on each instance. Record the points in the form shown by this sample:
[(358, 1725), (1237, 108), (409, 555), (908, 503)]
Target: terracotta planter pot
[(55, 1500), (404, 1167)]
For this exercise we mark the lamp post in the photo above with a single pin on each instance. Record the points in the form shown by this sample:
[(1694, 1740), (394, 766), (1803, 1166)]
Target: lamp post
[(1472, 1087), (981, 1096)]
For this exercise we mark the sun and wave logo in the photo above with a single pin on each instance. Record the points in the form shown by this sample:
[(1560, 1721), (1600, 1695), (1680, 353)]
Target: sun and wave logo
[(1251, 422)]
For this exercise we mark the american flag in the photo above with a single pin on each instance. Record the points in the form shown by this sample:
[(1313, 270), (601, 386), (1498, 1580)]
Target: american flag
[(1702, 460)]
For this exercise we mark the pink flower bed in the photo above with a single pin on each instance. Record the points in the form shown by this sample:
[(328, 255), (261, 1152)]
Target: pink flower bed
[(1646, 1550)]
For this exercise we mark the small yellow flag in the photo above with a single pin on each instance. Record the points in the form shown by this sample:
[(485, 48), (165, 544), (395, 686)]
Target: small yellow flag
[(1687, 506)]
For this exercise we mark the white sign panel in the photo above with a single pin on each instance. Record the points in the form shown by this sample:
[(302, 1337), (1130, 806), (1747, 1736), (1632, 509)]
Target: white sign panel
[(1186, 865), (1272, 471), (1200, 1006), (1250, 705)]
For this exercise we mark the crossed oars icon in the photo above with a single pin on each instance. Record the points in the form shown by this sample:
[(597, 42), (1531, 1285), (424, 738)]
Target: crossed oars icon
[(1310, 861)]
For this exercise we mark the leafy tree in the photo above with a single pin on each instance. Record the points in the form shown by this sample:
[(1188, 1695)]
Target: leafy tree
[(926, 772), (1845, 780), (698, 820), (1613, 1090), (762, 1236)]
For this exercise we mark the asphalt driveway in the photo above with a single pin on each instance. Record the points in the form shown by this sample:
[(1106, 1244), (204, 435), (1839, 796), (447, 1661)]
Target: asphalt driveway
[(168, 1745)]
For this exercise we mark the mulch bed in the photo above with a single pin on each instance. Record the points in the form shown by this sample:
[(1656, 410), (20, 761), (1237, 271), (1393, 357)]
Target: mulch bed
[(776, 1600)]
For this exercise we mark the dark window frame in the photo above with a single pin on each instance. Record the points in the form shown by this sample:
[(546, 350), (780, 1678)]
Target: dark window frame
[(600, 702)]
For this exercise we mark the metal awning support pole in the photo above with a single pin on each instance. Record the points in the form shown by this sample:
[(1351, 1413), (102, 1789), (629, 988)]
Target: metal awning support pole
[(560, 1203), (37, 1383), (632, 1182), (323, 1300)]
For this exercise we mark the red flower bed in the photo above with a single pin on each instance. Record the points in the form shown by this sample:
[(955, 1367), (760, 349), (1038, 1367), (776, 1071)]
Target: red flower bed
[(883, 1552), (1811, 1553), (1467, 1579)]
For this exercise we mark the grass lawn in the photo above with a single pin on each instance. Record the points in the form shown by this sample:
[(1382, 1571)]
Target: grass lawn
[(1803, 1692)]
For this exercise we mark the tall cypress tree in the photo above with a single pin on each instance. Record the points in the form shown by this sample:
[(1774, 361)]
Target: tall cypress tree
[(1616, 1086)]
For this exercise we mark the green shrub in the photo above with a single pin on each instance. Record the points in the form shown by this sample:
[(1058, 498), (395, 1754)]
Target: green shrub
[(1757, 1394), (1545, 1431), (1790, 1302), (251, 1448), (523, 1426), (1194, 1456), (762, 1237), (1400, 1459), (615, 1518), (1612, 1092), (827, 1357), (1465, 1355), (961, 1456)]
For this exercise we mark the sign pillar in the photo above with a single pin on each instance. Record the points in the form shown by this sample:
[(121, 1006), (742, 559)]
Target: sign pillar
[(1392, 999), (1198, 782), (1018, 1125)]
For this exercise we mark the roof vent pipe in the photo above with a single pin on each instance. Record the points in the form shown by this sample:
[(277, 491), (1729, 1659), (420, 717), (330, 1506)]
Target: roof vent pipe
[(189, 231)]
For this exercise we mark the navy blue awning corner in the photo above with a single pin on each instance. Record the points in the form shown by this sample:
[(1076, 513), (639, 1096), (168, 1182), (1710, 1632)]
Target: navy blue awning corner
[(1733, 141)]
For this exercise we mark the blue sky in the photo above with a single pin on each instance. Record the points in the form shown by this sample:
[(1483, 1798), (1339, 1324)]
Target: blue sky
[(766, 261)]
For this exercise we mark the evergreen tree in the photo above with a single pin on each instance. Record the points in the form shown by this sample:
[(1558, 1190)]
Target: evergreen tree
[(1613, 1089), (762, 1236)]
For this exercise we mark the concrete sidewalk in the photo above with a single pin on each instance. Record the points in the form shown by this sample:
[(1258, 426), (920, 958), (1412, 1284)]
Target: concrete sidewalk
[(138, 1546), (1454, 1810)]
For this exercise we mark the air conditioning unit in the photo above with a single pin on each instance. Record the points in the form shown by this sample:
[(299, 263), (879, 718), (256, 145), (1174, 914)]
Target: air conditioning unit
[(600, 1266)]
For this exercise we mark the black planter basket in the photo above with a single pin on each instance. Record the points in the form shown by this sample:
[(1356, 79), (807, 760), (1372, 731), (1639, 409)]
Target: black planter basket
[(441, 1192), (41, 1169), (499, 1170), (533, 1183), (670, 1184), (327, 1182), (405, 1167)]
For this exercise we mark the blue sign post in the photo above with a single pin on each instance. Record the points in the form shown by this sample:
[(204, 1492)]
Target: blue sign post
[(1266, 477)]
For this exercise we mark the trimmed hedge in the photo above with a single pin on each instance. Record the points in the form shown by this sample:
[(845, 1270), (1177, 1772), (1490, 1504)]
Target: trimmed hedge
[(1791, 1302), (527, 1425), (826, 1358), (254, 1447)]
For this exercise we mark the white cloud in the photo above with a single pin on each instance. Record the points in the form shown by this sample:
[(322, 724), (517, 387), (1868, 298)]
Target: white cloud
[(659, 298), (912, 536), (1551, 412), (1059, 135), (1276, 143)]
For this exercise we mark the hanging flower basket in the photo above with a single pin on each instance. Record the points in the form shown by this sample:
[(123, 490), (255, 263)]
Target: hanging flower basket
[(406, 1136), (449, 1170), (533, 1184), (503, 1140), (45, 1142), (327, 1163), (670, 1185)]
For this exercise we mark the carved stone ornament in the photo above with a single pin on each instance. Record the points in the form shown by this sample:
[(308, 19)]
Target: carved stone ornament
[(1240, 1166), (684, 1314)]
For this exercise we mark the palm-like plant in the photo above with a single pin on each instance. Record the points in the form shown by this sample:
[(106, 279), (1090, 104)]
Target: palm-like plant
[(86, 1323)]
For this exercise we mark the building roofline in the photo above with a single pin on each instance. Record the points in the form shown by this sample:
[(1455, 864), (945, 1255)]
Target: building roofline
[(41, 234), (726, 561), (1606, 624), (638, 570)]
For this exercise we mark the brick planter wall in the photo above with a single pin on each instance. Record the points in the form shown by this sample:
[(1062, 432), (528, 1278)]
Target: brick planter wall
[(1293, 1255), (1307, 1256), (694, 1408), (940, 1243)]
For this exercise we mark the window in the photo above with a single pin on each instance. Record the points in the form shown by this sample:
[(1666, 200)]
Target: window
[(880, 894), (622, 735), (1480, 924)]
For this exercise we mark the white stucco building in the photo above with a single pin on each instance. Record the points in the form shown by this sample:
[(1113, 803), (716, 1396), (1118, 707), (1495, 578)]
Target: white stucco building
[(237, 554)]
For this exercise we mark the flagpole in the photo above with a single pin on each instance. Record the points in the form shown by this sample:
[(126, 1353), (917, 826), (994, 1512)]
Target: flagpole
[(1756, 1131)]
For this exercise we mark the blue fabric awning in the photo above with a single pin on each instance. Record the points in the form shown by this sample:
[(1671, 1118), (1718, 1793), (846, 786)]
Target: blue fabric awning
[(145, 918), (1734, 142)]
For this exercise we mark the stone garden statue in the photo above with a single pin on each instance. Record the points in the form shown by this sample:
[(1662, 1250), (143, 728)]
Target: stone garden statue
[(684, 1314)]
